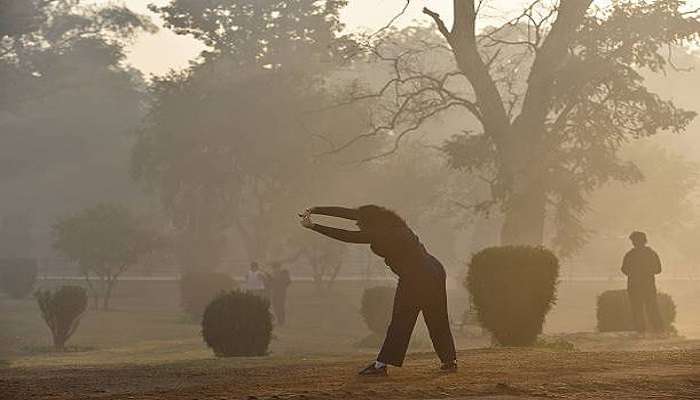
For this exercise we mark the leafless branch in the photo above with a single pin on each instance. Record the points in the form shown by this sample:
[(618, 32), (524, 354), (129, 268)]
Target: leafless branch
[(392, 20), (689, 12), (478, 207), (438, 21), (417, 125)]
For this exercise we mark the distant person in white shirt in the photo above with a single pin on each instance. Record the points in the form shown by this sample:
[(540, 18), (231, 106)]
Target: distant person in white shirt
[(255, 280)]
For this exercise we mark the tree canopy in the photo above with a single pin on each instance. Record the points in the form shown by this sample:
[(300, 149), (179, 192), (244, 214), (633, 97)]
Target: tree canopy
[(269, 33), (67, 101), (104, 241), (229, 137), (548, 100)]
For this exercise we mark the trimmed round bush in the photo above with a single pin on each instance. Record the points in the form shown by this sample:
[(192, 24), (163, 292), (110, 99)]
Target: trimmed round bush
[(62, 309), (17, 276), (376, 305), (512, 289), (197, 289), (614, 313), (237, 324)]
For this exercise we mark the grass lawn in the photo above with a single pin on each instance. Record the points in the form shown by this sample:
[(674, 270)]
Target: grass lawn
[(147, 326), (147, 348)]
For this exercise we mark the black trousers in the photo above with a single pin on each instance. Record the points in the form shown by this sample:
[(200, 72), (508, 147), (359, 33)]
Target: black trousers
[(414, 294), (643, 301), (278, 300)]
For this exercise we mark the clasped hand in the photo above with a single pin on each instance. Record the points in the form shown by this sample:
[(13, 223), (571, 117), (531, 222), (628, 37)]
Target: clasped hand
[(306, 219)]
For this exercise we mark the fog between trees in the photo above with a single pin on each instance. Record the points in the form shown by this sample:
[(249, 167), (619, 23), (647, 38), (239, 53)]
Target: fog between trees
[(284, 111)]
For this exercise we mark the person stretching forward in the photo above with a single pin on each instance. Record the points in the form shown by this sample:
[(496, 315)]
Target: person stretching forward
[(421, 284)]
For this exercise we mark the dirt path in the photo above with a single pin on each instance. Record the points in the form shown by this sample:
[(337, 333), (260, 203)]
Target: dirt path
[(501, 373)]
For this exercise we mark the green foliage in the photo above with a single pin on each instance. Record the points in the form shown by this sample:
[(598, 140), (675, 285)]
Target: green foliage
[(101, 236), (61, 309), (614, 313), (237, 324), (221, 155), (512, 289), (19, 17), (550, 102), (17, 276), (104, 240), (376, 306), (242, 168), (267, 33), (197, 289), (58, 50), (66, 92)]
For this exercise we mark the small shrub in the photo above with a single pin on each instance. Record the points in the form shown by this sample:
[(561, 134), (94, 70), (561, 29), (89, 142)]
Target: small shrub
[(237, 324), (615, 315), (376, 306), (17, 276), (512, 289), (62, 309), (197, 289)]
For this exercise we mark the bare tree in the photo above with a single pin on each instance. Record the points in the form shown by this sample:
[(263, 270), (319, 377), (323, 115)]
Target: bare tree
[(552, 96)]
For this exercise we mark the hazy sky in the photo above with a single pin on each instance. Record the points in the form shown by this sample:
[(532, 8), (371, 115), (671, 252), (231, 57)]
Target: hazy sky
[(160, 52)]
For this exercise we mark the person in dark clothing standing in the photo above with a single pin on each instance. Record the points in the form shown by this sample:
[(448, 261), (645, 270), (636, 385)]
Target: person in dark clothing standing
[(421, 286), (279, 282), (640, 265)]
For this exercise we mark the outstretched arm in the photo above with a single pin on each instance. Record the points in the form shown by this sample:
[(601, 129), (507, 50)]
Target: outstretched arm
[(341, 234), (340, 212)]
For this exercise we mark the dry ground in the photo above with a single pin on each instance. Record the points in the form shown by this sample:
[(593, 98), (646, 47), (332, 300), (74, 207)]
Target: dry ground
[(146, 349), (509, 372)]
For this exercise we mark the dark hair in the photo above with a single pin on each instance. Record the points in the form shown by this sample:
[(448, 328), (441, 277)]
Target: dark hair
[(375, 217), (638, 237)]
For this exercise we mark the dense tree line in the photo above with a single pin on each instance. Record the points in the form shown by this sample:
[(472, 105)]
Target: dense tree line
[(67, 105), (509, 133)]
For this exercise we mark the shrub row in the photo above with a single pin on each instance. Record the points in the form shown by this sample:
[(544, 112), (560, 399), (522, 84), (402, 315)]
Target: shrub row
[(512, 289), (615, 315)]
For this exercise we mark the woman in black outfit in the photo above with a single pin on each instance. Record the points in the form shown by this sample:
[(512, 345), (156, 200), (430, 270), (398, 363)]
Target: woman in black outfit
[(421, 284)]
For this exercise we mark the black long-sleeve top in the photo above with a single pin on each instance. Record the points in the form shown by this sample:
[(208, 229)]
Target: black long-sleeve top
[(398, 245), (640, 265), (340, 234)]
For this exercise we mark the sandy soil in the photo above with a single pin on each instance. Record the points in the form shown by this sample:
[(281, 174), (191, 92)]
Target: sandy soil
[(512, 373)]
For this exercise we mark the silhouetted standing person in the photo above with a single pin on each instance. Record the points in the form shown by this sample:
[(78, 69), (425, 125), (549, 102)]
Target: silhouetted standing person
[(279, 282), (641, 264), (421, 286), (255, 280)]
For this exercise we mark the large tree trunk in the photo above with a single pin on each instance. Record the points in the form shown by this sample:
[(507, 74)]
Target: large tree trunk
[(525, 217), (109, 285), (524, 166), (59, 342), (518, 141)]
